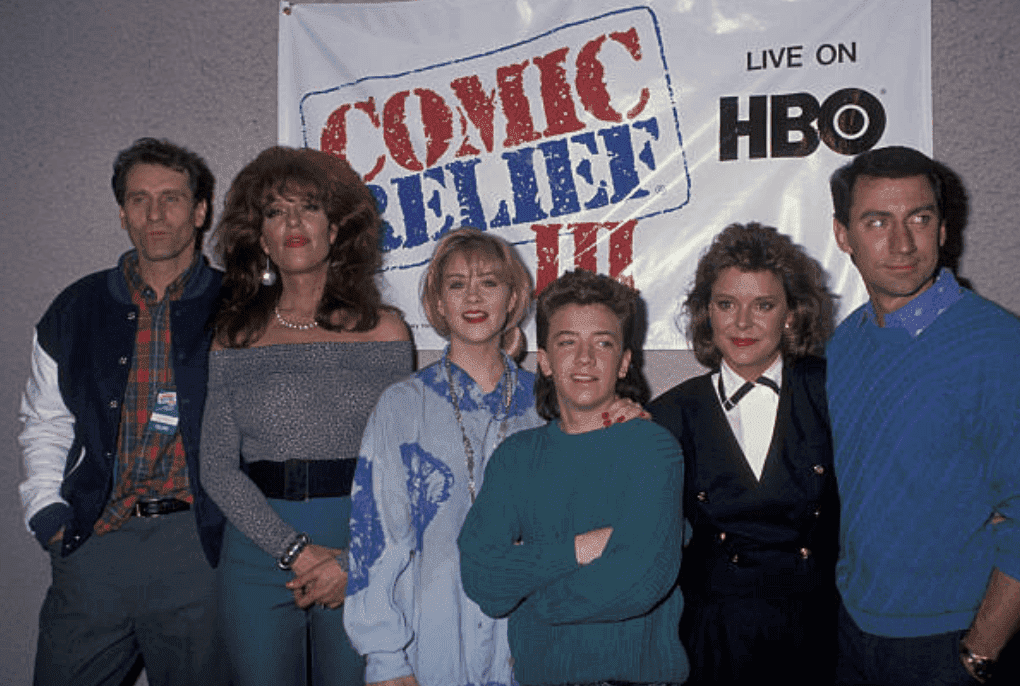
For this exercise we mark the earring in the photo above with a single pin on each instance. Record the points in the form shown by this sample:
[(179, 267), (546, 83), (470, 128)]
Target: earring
[(268, 276)]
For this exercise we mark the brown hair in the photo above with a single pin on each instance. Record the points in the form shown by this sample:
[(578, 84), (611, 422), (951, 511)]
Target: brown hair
[(479, 246), (172, 156), (586, 288), (757, 248), (354, 257)]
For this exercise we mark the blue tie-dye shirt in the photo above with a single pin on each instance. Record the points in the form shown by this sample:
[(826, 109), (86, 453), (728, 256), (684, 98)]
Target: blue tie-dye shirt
[(405, 608)]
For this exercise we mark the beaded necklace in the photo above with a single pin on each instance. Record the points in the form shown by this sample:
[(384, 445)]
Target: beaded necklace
[(293, 325), (469, 452)]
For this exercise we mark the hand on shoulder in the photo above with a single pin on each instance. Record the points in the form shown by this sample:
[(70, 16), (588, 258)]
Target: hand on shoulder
[(624, 410)]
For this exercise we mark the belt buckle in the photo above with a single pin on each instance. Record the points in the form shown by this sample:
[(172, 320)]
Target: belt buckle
[(295, 479), (137, 510)]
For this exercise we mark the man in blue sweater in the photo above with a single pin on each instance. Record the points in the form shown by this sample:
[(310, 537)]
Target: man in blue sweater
[(924, 397), (111, 419)]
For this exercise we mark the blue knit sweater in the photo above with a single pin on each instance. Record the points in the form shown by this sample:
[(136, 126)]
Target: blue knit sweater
[(926, 430)]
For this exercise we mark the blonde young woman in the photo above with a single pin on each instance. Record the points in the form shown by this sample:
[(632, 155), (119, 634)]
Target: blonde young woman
[(421, 462)]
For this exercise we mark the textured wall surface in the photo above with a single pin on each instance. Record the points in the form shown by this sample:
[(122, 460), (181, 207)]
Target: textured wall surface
[(975, 79), (81, 80)]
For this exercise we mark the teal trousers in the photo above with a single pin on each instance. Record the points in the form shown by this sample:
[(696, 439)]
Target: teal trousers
[(270, 639)]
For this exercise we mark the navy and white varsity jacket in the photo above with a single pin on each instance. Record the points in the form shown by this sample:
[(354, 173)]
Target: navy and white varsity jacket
[(71, 408)]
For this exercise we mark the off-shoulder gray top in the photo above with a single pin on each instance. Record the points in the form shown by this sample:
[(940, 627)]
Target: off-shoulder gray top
[(307, 401)]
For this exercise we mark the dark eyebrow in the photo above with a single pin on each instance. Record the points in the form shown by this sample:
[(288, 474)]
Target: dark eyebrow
[(883, 213), (570, 332)]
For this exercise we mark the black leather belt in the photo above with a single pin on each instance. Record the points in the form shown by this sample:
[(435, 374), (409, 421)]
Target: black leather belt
[(155, 508), (302, 479)]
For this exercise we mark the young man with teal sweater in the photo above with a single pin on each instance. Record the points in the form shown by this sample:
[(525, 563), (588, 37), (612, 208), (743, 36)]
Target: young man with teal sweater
[(577, 531), (924, 399)]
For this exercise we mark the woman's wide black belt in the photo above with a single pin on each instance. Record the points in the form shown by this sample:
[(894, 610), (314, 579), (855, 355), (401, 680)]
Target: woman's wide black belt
[(302, 479)]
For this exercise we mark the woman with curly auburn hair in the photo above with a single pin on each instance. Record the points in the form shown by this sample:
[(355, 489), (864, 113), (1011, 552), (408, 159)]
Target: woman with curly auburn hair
[(349, 299), (758, 575), (303, 347)]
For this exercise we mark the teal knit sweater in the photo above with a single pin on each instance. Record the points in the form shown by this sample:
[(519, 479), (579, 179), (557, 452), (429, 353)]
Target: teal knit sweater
[(926, 430), (615, 618)]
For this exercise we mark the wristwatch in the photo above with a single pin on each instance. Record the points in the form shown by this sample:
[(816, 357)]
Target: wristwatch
[(982, 667), (293, 550)]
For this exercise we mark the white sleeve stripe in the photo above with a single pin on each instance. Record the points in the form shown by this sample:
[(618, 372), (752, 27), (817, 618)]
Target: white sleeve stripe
[(46, 435)]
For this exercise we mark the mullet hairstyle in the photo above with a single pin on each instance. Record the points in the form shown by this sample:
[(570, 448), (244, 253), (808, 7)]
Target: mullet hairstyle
[(354, 257), (166, 154), (479, 248), (586, 288), (757, 248)]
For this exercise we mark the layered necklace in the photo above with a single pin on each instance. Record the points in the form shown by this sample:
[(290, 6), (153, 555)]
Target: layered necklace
[(292, 325), (469, 452)]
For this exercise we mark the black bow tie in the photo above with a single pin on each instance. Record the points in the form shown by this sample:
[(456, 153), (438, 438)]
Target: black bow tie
[(731, 402)]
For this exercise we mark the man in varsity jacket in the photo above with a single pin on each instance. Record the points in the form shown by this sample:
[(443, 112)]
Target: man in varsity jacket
[(110, 437)]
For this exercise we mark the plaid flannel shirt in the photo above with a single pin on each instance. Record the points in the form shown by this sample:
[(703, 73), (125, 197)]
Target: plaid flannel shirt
[(150, 464)]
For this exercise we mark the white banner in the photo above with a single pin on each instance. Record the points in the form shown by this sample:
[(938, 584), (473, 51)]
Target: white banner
[(602, 134)]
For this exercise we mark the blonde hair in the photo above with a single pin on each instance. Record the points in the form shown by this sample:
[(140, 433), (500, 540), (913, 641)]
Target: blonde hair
[(478, 246)]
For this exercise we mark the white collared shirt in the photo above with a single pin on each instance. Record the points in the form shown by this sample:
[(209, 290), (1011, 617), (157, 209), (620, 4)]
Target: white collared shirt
[(753, 420)]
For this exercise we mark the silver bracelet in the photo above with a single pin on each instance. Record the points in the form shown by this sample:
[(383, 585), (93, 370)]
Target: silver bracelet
[(286, 560), (982, 667)]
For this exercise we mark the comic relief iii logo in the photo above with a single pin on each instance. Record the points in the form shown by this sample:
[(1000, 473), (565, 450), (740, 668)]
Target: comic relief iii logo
[(565, 140)]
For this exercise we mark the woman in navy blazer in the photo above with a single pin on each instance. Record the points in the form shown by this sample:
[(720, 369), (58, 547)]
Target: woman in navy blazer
[(758, 573)]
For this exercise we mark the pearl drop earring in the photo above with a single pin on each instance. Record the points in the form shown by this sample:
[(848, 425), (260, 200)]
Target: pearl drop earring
[(268, 276)]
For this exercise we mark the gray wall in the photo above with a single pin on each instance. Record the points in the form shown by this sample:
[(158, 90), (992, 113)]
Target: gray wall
[(81, 80)]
